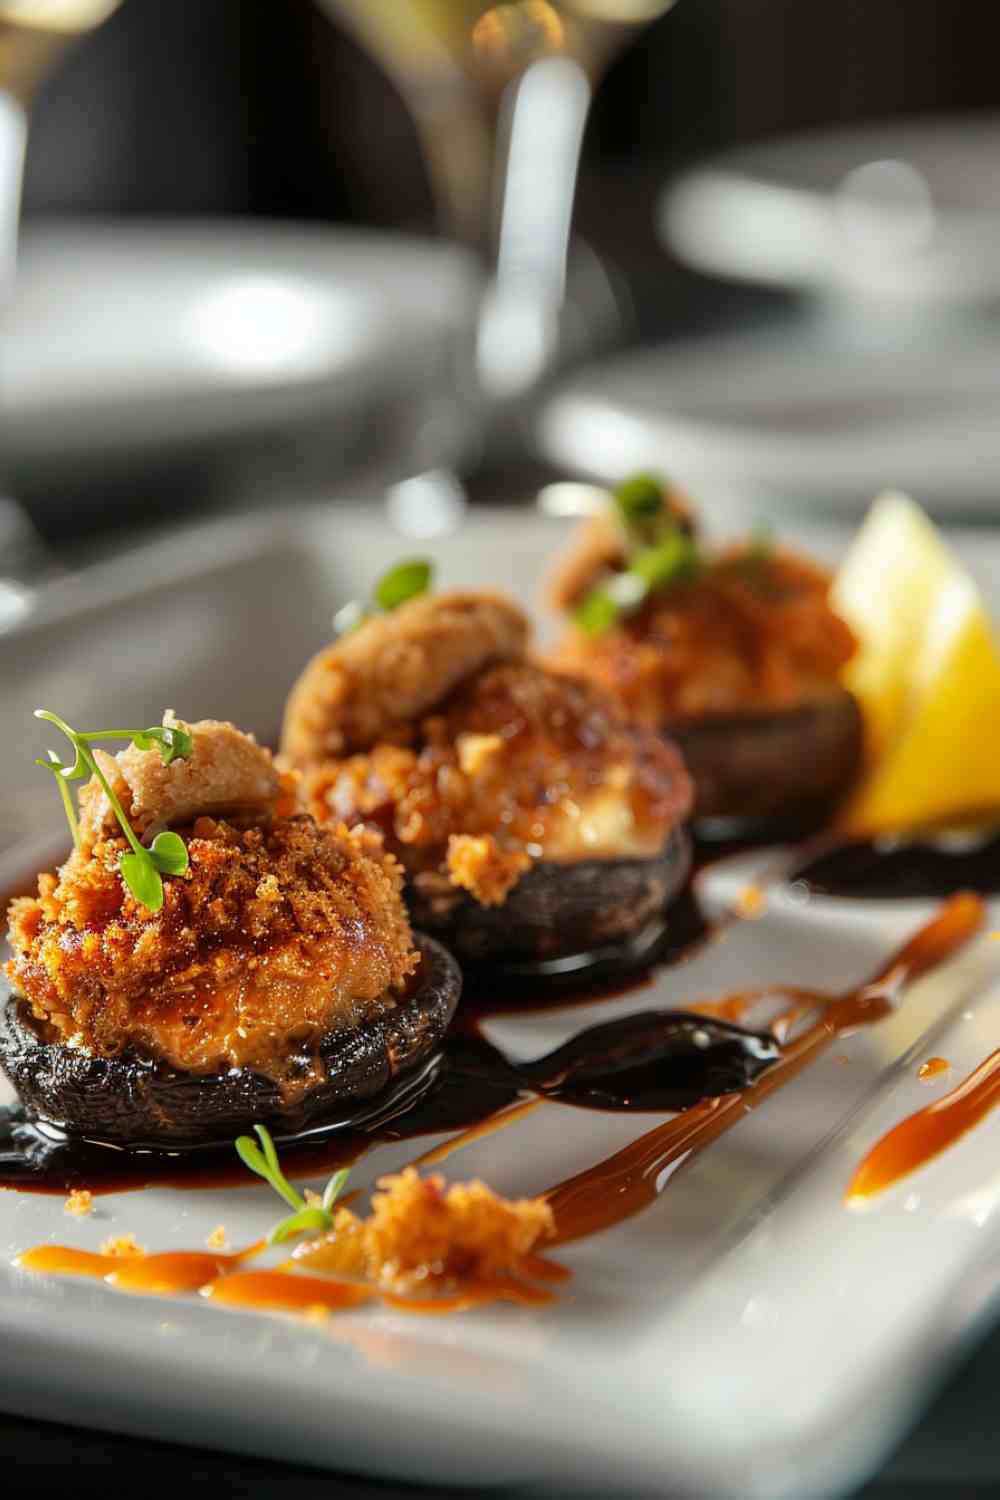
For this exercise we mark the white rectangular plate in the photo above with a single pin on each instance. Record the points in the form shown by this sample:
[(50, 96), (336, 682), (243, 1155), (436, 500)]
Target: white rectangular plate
[(747, 1335)]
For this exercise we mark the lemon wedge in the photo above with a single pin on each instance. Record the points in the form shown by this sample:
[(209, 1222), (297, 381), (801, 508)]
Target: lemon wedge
[(927, 675)]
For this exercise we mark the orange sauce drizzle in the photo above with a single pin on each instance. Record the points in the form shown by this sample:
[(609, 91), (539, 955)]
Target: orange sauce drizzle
[(156, 1275), (606, 1193), (932, 1068), (286, 1291), (927, 1133), (631, 1179), (220, 1279)]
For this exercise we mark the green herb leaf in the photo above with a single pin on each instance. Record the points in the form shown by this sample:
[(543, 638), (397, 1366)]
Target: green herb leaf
[(251, 1156), (142, 878), (597, 613), (169, 854), (673, 560), (315, 1219), (405, 581), (56, 767), (140, 868), (640, 498), (306, 1217), (173, 741), (335, 1187), (265, 1163)]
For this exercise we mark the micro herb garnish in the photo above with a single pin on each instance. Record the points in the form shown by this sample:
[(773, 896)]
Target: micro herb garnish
[(672, 560), (659, 554), (640, 498), (142, 869), (597, 613), (307, 1217), (406, 580)]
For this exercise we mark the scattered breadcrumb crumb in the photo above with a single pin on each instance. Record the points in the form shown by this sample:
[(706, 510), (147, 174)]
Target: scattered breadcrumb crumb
[(751, 901), (475, 751), (217, 1239), (80, 1202), (483, 869), (313, 1199), (125, 1246), (419, 1229)]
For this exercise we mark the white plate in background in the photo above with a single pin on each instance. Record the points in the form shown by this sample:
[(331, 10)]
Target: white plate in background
[(904, 211), (790, 421), (129, 334), (746, 1336)]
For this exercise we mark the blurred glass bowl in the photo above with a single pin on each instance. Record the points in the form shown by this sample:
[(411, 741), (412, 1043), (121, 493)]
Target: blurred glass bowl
[(906, 212)]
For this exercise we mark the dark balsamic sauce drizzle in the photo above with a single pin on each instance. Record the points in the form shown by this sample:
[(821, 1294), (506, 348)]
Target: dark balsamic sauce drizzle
[(886, 868), (650, 1061), (643, 1062)]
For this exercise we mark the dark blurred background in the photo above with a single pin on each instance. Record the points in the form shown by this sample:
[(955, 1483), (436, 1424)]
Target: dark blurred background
[(252, 107)]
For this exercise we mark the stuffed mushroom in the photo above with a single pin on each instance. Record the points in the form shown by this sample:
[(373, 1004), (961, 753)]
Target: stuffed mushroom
[(532, 823), (734, 653), (274, 979)]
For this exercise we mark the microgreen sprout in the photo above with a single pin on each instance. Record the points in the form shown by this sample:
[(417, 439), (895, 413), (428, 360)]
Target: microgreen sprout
[(640, 498), (142, 869), (404, 581), (307, 1218), (659, 554)]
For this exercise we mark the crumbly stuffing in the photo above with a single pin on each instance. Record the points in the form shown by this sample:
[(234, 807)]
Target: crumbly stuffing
[(505, 771), (124, 1246), (372, 685), (421, 1230), (216, 1239), (279, 932), (80, 1203), (752, 632), (226, 771), (481, 867)]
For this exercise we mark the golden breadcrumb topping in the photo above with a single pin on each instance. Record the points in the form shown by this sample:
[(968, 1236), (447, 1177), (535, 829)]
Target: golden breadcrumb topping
[(481, 867), (216, 1239), (752, 632), (518, 764), (80, 1203), (227, 771), (279, 932), (124, 1246), (420, 1230), (372, 684)]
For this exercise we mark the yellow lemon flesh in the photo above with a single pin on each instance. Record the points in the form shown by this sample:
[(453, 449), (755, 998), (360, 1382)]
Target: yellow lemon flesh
[(927, 675)]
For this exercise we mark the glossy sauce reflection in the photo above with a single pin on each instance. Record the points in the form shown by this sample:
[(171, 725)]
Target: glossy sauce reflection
[(927, 1133)]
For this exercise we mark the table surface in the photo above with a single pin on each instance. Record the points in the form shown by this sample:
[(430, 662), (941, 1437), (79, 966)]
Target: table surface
[(954, 1454)]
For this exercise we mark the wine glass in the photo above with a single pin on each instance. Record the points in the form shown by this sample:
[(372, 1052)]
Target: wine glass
[(499, 95), (33, 36)]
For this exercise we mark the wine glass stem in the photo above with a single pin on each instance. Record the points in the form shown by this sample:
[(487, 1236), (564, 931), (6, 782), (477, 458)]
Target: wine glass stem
[(520, 321), (458, 151), (13, 140)]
